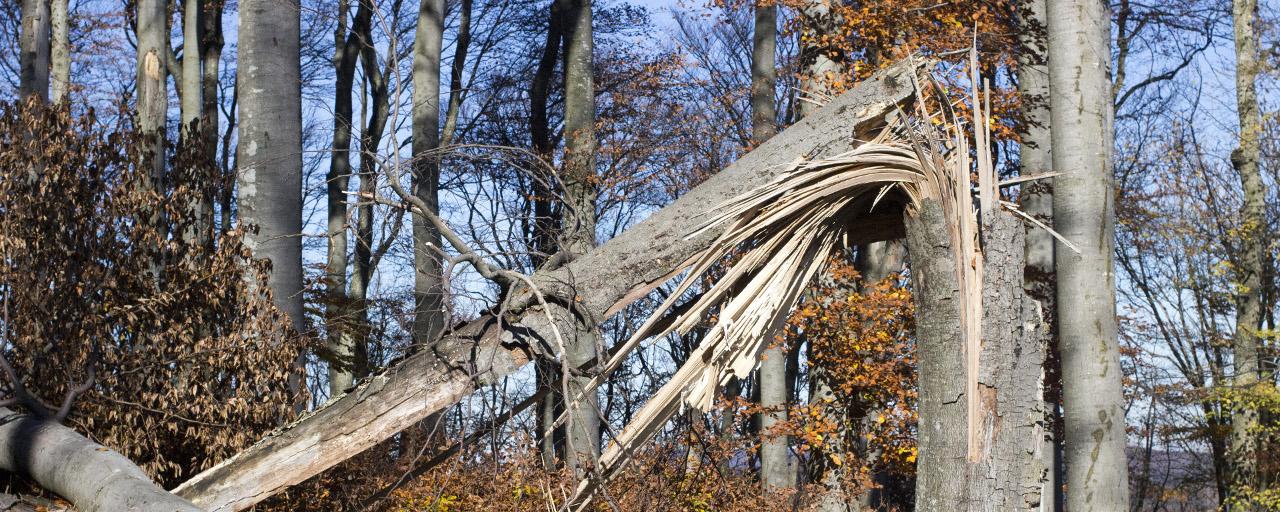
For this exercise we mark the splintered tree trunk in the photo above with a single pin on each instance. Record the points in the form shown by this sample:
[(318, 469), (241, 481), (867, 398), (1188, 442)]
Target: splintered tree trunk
[(578, 232), (606, 279), (33, 73), (85, 473), (776, 471), (1084, 213), (60, 52), (269, 152), (1036, 199), (1009, 472), (153, 99), (1246, 343)]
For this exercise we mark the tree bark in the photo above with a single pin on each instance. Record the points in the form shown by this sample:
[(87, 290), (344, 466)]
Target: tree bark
[(578, 224), (192, 97), (1036, 200), (1009, 474), (33, 73), (153, 99), (616, 274), (90, 476), (429, 293), (60, 50), (1084, 212), (1246, 343), (776, 471), (269, 153), (545, 224)]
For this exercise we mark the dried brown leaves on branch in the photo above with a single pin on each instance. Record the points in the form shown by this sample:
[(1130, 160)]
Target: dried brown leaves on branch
[(106, 288)]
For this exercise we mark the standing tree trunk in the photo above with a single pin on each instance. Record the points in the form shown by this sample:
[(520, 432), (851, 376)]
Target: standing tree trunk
[(337, 311), (776, 472), (1251, 264), (1036, 200), (269, 153), (192, 97), (545, 223), (1084, 212), (153, 99), (33, 79), (60, 53), (1008, 474), (578, 233), (211, 54), (428, 318)]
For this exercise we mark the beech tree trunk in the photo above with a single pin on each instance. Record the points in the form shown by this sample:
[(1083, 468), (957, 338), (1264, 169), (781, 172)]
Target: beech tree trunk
[(578, 224), (153, 99), (60, 50), (429, 294), (1036, 200), (33, 72), (90, 476), (1084, 212), (1252, 260), (1010, 472), (776, 471), (613, 275), (269, 153)]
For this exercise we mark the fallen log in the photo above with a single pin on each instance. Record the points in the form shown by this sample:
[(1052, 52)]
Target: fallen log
[(598, 284), (87, 474)]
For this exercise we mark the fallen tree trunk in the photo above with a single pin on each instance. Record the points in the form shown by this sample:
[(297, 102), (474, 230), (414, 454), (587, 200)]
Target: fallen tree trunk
[(81, 471), (598, 284)]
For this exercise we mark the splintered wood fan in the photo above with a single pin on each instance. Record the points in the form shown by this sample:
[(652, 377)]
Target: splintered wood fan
[(780, 235)]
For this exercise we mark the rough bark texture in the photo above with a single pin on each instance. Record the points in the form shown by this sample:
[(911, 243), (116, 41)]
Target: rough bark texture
[(1010, 472), (776, 471), (1036, 199), (269, 177), (60, 50), (1246, 343), (578, 224), (1084, 212), (90, 476), (616, 273), (33, 73)]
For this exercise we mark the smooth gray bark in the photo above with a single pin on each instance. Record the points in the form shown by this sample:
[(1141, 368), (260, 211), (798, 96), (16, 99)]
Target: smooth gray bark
[(90, 476), (776, 471), (1084, 212), (1009, 473), (1246, 344), (191, 101), (429, 293), (153, 99), (578, 223), (337, 302), (60, 50), (269, 154), (613, 275), (33, 42)]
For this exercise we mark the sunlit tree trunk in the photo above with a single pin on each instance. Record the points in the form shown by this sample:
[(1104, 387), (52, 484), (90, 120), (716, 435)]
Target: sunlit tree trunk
[(578, 233), (1251, 264), (428, 319), (60, 52), (1036, 199), (33, 79), (346, 54), (269, 153), (1005, 471), (153, 99), (1084, 212)]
